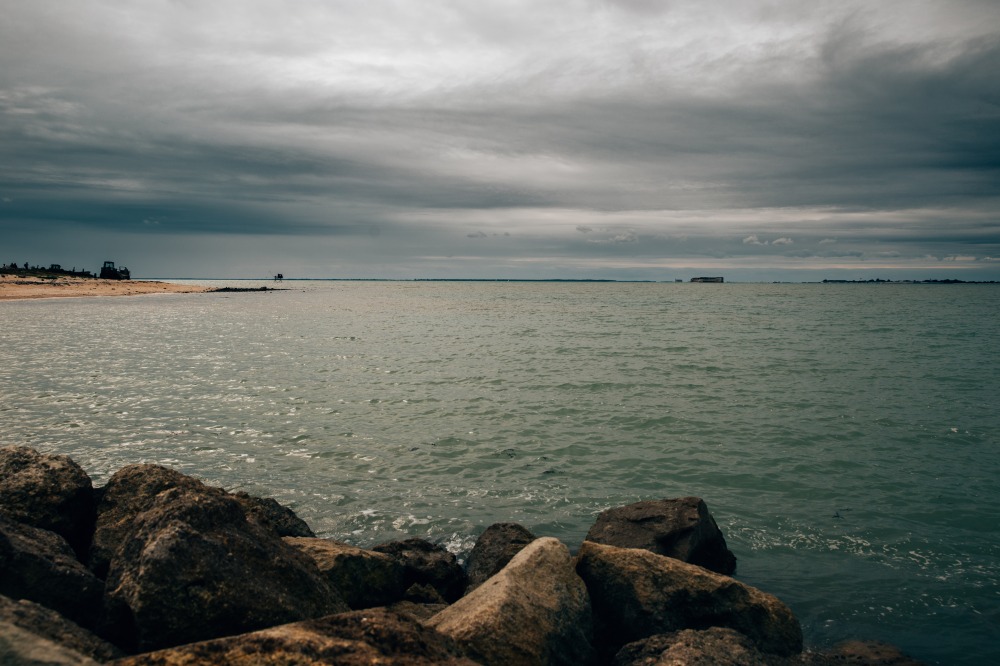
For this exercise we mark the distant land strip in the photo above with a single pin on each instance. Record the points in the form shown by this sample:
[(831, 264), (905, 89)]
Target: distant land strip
[(20, 282), (16, 287)]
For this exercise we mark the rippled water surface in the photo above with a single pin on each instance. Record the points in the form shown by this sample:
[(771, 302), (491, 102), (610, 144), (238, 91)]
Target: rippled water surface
[(845, 437)]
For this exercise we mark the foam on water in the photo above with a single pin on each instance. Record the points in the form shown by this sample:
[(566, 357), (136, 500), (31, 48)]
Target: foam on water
[(844, 436)]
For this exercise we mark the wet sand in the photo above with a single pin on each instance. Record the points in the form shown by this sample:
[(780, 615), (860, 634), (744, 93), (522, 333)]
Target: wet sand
[(13, 287)]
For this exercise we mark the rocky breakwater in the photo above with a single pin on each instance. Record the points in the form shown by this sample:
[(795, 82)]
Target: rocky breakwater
[(156, 567)]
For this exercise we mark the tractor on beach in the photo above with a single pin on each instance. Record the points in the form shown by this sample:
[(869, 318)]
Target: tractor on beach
[(109, 272)]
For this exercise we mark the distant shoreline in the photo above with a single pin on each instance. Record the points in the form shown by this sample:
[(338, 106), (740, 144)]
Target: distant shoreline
[(40, 283)]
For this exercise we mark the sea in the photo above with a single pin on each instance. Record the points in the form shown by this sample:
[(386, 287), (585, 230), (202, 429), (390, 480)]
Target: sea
[(846, 437)]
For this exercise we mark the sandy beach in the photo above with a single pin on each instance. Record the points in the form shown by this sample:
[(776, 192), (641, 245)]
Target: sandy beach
[(13, 287)]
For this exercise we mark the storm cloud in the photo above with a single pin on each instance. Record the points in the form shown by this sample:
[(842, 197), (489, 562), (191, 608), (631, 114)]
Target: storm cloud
[(629, 139)]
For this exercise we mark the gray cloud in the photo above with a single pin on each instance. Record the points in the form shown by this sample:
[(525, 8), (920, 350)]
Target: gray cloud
[(612, 138)]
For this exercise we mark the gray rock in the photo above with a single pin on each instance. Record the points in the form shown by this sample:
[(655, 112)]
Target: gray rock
[(364, 578), (40, 566), (129, 492), (712, 647), (193, 568), (47, 491), (425, 563), (374, 636), (494, 548), (534, 611), (47, 624), (636, 593), (681, 528)]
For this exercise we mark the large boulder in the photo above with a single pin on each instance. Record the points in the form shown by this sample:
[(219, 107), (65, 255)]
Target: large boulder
[(534, 611), (425, 563), (494, 548), (680, 528), (714, 646), (193, 568), (49, 625), (47, 491), (375, 636), (364, 578), (636, 593), (129, 492), (132, 490), (40, 566)]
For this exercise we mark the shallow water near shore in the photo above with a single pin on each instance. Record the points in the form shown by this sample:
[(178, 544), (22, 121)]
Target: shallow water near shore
[(845, 437)]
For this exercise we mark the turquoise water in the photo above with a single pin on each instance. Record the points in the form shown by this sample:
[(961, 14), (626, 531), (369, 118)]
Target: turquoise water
[(845, 437)]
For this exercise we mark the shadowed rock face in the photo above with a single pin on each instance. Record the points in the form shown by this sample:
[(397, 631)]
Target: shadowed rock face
[(193, 568), (494, 548), (534, 611), (425, 563), (637, 594), (680, 528), (20, 647), (267, 513), (49, 625), (364, 578), (47, 491), (375, 636), (39, 565)]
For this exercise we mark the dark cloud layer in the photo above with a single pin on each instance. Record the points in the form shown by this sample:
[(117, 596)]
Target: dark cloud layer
[(623, 139)]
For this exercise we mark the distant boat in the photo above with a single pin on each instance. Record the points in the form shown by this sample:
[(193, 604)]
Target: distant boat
[(109, 272), (708, 279), (279, 277)]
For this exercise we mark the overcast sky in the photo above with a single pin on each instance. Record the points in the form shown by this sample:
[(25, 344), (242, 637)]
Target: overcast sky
[(625, 139)]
